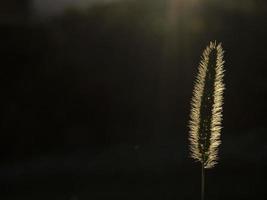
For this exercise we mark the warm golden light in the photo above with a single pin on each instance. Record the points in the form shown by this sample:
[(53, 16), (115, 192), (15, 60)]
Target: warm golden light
[(205, 128)]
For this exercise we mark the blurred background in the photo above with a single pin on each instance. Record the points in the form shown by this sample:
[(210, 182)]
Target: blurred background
[(96, 98)]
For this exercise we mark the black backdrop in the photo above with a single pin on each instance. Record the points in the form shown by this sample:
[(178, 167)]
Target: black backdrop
[(95, 102)]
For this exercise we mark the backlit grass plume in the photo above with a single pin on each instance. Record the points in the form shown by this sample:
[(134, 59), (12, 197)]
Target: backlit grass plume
[(206, 108)]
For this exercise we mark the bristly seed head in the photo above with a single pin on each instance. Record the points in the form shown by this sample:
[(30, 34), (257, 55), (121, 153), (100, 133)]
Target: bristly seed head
[(206, 107)]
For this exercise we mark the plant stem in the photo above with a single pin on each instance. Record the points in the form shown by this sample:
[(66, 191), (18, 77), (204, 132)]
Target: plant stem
[(202, 182)]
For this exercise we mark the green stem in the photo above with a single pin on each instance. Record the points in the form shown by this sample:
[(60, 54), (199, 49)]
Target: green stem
[(202, 182)]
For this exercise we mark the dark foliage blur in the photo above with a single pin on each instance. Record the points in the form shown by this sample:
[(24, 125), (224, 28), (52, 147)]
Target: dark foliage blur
[(95, 101)]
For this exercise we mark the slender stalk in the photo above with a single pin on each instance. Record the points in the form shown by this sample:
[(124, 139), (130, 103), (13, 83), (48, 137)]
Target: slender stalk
[(202, 182)]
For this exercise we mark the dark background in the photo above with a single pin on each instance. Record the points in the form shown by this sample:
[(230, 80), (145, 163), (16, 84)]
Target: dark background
[(95, 100)]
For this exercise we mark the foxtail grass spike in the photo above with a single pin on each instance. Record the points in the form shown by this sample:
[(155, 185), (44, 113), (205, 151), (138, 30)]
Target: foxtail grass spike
[(206, 107), (206, 110)]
